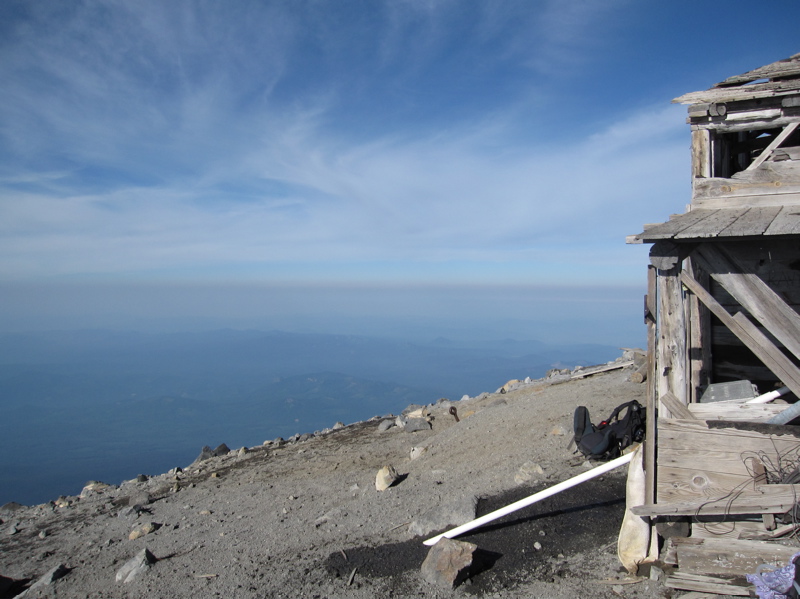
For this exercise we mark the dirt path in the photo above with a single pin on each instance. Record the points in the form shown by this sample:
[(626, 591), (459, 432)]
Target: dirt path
[(297, 520)]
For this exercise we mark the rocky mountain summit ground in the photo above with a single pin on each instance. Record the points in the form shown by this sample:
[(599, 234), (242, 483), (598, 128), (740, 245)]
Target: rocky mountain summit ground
[(303, 518)]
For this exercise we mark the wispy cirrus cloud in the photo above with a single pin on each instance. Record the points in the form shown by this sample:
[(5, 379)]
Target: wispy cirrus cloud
[(189, 135)]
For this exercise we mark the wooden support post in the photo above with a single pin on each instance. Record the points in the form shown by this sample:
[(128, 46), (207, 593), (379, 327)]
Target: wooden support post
[(652, 399), (699, 333), (671, 357)]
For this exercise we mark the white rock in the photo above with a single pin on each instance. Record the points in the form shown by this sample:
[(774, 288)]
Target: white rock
[(528, 471), (135, 566), (385, 478), (417, 452)]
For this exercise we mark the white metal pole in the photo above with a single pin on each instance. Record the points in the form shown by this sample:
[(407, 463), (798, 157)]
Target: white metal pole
[(518, 505)]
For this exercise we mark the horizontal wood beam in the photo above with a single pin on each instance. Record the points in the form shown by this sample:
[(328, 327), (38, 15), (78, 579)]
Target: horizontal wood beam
[(772, 499)]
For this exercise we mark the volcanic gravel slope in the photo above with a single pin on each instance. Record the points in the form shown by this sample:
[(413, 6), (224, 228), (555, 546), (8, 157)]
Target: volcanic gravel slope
[(304, 519)]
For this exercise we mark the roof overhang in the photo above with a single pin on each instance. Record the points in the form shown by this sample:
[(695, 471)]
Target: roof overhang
[(703, 224)]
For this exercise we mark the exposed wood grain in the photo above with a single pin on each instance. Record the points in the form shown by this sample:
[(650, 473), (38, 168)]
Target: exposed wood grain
[(714, 467), (749, 334), (671, 369), (711, 226), (669, 229), (766, 499), (753, 221), (758, 298), (729, 528), (651, 308), (732, 94), (731, 557), (699, 331), (706, 584), (677, 408), (787, 222), (735, 411), (701, 154)]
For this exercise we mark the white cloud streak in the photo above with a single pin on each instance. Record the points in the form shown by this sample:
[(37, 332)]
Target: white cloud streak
[(188, 135)]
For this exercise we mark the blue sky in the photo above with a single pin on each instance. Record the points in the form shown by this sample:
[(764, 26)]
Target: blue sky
[(437, 142)]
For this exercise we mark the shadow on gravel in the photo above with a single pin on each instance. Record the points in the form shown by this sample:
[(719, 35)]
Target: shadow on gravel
[(584, 519)]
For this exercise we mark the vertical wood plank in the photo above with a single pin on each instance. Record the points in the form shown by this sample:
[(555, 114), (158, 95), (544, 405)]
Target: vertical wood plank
[(672, 371), (651, 309), (699, 334)]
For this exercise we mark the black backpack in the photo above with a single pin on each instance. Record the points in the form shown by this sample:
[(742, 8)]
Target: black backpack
[(607, 440)]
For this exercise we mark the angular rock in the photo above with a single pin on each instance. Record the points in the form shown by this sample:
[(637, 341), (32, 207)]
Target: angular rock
[(448, 562), (135, 566), (94, 486), (452, 513), (49, 578), (207, 453), (385, 478), (385, 425), (338, 425), (413, 425)]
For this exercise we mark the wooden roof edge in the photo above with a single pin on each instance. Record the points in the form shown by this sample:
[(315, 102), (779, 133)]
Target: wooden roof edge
[(778, 74)]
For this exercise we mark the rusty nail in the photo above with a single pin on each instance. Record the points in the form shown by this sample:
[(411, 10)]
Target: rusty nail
[(454, 412)]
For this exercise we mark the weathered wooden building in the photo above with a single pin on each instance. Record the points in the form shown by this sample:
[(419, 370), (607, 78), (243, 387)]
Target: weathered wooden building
[(722, 307)]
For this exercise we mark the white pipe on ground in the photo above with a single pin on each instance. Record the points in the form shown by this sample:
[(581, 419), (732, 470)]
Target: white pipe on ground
[(518, 505), (769, 396)]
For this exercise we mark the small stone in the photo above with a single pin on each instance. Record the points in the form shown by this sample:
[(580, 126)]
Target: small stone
[(243, 452), (417, 452), (385, 478), (537, 545), (135, 566), (93, 486), (141, 478), (447, 563), (385, 425), (558, 431), (529, 471), (464, 397), (338, 425), (144, 529), (413, 425), (215, 475), (130, 512), (43, 534)]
